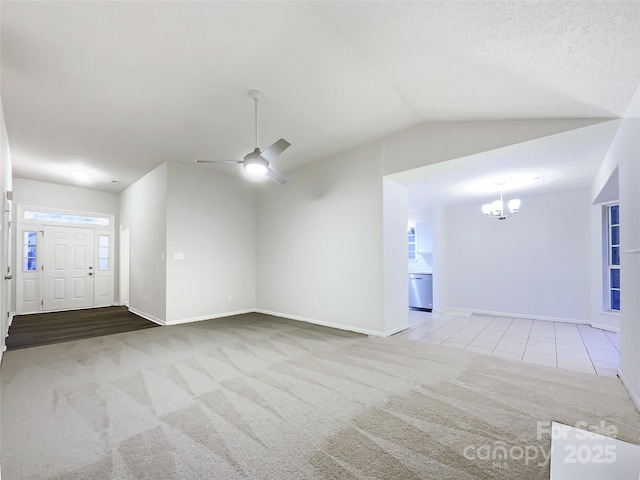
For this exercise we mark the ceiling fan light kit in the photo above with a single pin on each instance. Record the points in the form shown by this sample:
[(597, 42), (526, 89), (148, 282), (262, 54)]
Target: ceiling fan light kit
[(257, 162), (254, 164)]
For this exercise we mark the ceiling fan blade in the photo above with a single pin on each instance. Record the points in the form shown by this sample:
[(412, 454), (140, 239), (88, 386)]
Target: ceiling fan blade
[(274, 150), (218, 161), (275, 176)]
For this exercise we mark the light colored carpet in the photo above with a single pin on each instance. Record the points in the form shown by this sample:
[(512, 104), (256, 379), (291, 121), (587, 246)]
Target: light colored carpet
[(258, 397)]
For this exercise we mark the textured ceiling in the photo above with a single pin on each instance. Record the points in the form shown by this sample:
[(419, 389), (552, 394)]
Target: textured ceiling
[(115, 88)]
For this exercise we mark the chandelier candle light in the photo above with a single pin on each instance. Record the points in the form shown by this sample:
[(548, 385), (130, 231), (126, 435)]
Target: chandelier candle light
[(496, 209)]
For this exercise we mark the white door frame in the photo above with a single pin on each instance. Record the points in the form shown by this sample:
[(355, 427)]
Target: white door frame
[(34, 218), (5, 264)]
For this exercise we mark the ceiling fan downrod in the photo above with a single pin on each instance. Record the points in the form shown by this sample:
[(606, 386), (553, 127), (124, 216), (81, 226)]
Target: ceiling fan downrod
[(256, 95)]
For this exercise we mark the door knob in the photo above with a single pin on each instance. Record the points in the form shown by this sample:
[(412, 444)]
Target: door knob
[(8, 277), (90, 273)]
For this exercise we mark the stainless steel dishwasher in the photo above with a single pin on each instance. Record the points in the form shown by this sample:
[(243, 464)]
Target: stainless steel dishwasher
[(421, 291)]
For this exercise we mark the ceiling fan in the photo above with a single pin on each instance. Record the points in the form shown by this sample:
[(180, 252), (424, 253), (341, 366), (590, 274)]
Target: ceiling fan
[(257, 162)]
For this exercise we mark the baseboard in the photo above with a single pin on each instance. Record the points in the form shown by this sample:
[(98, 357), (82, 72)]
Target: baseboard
[(469, 311), (180, 321), (207, 317), (146, 316), (608, 328), (454, 311), (395, 330), (517, 315), (635, 396), (364, 331)]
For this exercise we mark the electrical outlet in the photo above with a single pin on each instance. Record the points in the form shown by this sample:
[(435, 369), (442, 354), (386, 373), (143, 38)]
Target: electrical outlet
[(317, 304), (229, 298)]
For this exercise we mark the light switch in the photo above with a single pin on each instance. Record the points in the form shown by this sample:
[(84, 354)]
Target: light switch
[(178, 255)]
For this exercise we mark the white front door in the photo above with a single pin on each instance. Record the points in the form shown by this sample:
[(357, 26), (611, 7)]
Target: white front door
[(68, 270)]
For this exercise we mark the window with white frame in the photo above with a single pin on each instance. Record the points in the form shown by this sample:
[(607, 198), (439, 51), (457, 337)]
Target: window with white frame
[(613, 254), (65, 218)]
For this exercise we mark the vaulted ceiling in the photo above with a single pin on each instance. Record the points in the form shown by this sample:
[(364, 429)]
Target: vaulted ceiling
[(116, 88)]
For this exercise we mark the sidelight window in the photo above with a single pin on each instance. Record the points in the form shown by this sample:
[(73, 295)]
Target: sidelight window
[(29, 252), (103, 252)]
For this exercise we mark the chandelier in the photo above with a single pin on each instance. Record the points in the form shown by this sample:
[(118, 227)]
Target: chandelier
[(496, 208)]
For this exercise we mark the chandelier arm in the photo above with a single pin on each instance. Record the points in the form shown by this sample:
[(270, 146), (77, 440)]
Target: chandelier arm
[(497, 209)]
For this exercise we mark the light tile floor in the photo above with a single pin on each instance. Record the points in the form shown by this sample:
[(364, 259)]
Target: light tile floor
[(580, 348)]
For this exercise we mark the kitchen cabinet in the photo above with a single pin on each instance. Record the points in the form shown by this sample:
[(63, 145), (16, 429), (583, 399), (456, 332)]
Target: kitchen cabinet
[(424, 237), (411, 244)]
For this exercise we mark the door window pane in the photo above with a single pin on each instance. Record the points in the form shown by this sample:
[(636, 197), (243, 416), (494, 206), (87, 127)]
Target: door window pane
[(103, 252), (29, 251)]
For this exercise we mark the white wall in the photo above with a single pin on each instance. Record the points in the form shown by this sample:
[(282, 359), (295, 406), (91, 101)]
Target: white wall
[(320, 236), (63, 197), (211, 230), (143, 208), (440, 249), (605, 183), (395, 205), (5, 240), (626, 149), (435, 142), (534, 264), (319, 250)]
